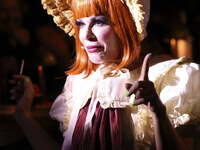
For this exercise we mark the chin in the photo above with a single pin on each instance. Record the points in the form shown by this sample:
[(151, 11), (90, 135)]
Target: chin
[(98, 62)]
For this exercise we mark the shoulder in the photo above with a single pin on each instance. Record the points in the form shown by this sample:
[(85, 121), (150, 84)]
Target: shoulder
[(180, 67), (177, 81), (71, 80)]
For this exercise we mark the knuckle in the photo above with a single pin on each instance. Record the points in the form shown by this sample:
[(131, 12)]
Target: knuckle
[(136, 83), (151, 83)]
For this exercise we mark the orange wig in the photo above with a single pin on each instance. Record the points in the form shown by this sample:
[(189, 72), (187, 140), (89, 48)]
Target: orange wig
[(123, 26)]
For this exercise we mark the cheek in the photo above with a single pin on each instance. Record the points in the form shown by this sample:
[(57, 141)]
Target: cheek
[(110, 39), (103, 34), (81, 37)]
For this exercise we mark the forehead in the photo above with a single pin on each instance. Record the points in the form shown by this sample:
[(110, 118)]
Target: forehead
[(90, 18), (87, 18)]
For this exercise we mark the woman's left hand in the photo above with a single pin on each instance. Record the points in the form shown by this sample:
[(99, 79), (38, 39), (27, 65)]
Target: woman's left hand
[(23, 92), (144, 90)]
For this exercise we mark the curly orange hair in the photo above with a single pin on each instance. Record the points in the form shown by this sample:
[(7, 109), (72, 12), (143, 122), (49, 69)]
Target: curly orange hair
[(123, 26)]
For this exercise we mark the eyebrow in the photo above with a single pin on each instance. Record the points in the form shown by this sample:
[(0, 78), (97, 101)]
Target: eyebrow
[(93, 17)]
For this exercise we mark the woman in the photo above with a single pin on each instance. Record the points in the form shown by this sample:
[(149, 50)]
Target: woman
[(111, 100)]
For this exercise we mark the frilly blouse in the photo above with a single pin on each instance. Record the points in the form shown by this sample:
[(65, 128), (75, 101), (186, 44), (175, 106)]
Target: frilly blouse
[(176, 81)]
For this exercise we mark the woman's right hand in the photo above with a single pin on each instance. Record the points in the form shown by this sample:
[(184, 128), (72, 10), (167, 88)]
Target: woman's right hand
[(22, 91)]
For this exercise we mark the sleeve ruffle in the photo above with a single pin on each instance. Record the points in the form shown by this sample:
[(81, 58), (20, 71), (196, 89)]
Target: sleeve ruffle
[(179, 90), (143, 125), (110, 89), (178, 84), (62, 107)]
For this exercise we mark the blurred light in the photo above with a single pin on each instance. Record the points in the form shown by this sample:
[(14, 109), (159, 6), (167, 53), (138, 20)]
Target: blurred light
[(184, 48), (173, 47)]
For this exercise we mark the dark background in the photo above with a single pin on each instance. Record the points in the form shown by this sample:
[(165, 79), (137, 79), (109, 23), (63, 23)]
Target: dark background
[(34, 37), (174, 18), (50, 47)]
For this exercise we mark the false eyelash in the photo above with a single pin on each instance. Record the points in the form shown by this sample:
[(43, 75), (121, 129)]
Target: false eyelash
[(79, 23), (101, 21)]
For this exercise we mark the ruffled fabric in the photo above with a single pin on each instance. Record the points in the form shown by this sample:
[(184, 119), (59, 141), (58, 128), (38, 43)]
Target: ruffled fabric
[(178, 85), (61, 109), (176, 81), (62, 14)]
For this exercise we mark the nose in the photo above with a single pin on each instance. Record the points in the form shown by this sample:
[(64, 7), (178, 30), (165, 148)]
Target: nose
[(90, 34)]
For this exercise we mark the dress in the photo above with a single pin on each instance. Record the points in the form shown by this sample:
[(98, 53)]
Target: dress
[(94, 113)]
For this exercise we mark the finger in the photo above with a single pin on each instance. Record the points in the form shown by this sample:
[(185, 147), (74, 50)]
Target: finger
[(19, 77), (12, 81), (140, 101), (138, 85), (16, 88), (13, 90), (15, 96), (144, 100), (22, 79), (132, 88), (29, 90), (128, 86), (143, 93), (145, 68)]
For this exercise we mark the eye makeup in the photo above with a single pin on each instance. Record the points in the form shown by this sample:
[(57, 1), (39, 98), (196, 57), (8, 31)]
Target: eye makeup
[(79, 23), (95, 20)]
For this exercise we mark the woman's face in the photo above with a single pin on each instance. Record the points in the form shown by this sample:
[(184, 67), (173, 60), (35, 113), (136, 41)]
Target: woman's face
[(98, 39)]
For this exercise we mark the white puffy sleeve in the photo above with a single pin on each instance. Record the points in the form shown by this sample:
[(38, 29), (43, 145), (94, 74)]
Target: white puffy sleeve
[(62, 107), (179, 88)]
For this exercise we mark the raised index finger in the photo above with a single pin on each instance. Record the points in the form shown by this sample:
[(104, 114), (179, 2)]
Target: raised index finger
[(145, 68)]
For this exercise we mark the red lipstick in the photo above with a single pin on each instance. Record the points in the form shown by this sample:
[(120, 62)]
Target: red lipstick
[(93, 48)]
